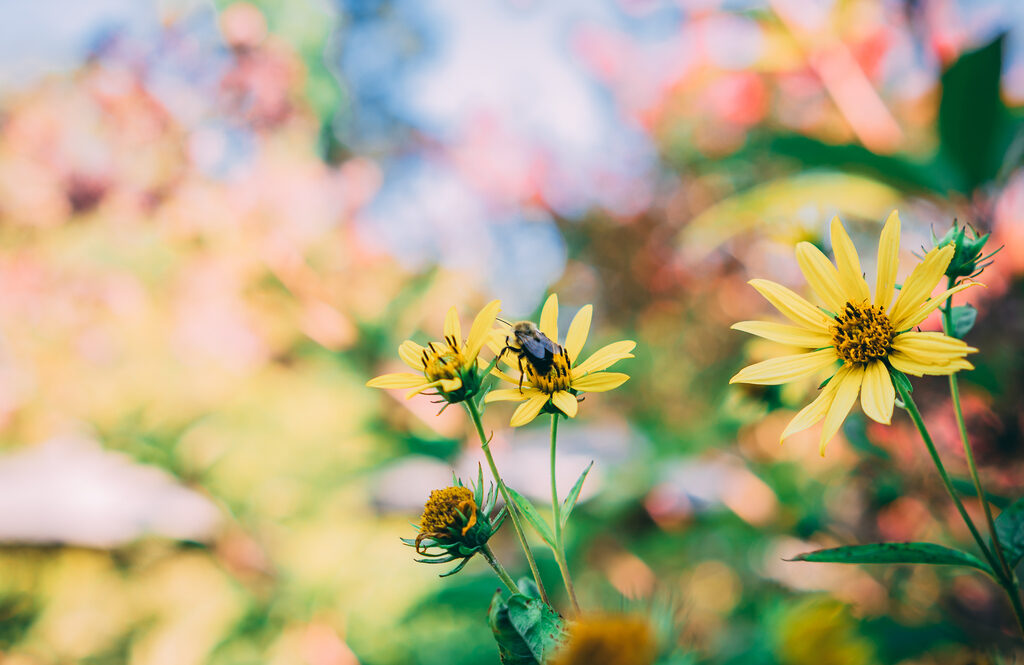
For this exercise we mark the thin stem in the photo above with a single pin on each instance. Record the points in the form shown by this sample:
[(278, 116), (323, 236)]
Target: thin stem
[(559, 548), (474, 414), (954, 390), (498, 568)]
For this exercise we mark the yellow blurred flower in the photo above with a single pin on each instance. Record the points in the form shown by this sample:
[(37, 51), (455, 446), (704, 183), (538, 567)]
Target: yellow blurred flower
[(450, 366), (868, 337), (564, 380), (614, 639), (821, 632)]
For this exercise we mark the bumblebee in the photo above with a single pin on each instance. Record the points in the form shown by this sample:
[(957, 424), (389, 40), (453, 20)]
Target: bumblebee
[(533, 346)]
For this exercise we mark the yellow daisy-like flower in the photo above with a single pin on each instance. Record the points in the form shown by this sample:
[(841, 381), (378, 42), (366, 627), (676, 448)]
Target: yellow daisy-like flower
[(450, 366), (867, 336), (564, 379)]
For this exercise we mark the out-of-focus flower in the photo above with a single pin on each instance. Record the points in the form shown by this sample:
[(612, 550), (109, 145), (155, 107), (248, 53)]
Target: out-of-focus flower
[(450, 366), (563, 380), (821, 632), (456, 524), (868, 338), (613, 639)]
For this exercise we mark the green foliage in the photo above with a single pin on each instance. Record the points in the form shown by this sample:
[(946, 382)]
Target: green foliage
[(964, 317), (527, 510), (927, 553), (1010, 529), (573, 496), (527, 631)]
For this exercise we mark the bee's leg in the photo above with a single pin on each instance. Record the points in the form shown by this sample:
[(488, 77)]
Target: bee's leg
[(521, 375)]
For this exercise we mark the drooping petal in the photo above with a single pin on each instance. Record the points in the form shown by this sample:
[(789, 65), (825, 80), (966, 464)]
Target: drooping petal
[(821, 275), (921, 283), (480, 331), (908, 365), (528, 410), (509, 395), (813, 412), (411, 354), (792, 306), (786, 368), (846, 394), (565, 402), (850, 276), (425, 386), (930, 348), (605, 357), (888, 261), (451, 385), (578, 331), (549, 318), (785, 334), (452, 327), (397, 380), (929, 306), (877, 394), (600, 382)]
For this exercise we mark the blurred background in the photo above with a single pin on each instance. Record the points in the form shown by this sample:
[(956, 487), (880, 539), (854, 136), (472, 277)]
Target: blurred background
[(219, 219)]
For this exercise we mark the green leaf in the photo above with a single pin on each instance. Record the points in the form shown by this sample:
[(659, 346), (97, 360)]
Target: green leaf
[(901, 380), (574, 494), (512, 648), (1010, 529), (527, 510), (539, 625), (964, 317), (927, 553), (972, 117)]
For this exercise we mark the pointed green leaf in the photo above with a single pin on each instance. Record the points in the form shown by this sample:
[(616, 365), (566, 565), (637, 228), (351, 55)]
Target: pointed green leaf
[(964, 317), (1010, 529), (927, 553), (574, 495), (901, 380), (527, 510), (539, 625)]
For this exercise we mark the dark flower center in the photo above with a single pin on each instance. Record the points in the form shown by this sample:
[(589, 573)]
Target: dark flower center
[(862, 333)]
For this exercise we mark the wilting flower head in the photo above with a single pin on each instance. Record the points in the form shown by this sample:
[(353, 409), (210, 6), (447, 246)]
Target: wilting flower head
[(558, 386), (867, 337), (456, 524), (612, 639), (967, 259), (450, 366)]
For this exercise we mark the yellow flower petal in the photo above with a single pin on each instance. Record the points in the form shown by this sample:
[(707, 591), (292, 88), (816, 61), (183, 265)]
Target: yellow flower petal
[(931, 348), (528, 410), (600, 382), (821, 275), (451, 385), (792, 306), (814, 411), (786, 368), (397, 380), (411, 354), (846, 394), (921, 283), (565, 402), (605, 357), (425, 386), (480, 331), (877, 395), (549, 318), (510, 395), (785, 334), (452, 327), (850, 276), (909, 365), (929, 306), (578, 331), (888, 261)]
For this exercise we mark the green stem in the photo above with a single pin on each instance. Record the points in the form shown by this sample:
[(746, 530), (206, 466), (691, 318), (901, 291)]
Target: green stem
[(559, 548), (499, 569), (474, 414), (999, 576)]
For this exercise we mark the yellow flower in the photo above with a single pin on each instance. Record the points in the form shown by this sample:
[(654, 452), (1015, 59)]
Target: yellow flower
[(608, 640), (450, 366), (565, 379), (868, 337)]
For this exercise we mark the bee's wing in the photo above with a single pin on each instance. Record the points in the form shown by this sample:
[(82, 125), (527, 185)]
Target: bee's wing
[(538, 346)]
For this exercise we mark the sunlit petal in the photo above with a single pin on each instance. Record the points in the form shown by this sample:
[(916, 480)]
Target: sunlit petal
[(888, 261), (509, 395), (785, 334), (605, 357), (549, 318), (815, 411), (846, 394), (850, 276), (397, 380), (910, 365), (929, 306), (821, 275), (528, 410), (411, 354), (578, 331), (425, 386), (565, 402), (921, 283), (786, 368), (792, 306), (600, 382), (480, 331), (452, 327), (877, 395)]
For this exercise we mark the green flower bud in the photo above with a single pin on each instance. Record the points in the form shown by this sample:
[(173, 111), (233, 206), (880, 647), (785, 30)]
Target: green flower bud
[(967, 260)]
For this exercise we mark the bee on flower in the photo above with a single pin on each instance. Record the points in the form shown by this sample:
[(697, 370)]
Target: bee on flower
[(550, 378), (452, 367), (873, 339)]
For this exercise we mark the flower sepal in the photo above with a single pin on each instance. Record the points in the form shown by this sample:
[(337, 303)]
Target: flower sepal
[(967, 258)]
